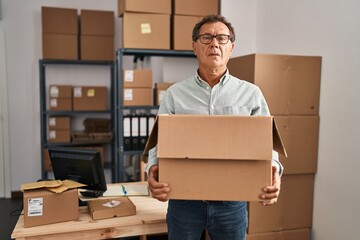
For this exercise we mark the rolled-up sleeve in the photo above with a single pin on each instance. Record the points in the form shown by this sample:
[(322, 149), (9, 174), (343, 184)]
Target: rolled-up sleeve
[(152, 159), (276, 162)]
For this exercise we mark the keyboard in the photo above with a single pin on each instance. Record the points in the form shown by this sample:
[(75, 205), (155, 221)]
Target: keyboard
[(92, 193)]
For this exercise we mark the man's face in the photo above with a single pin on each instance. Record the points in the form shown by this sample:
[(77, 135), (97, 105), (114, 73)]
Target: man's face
[(213, 54)]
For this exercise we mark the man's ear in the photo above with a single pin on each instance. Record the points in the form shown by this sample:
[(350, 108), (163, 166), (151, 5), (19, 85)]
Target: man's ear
[(194, 47)]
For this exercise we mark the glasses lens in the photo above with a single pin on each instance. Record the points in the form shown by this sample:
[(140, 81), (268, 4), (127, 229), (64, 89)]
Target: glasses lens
[(206, 38), (222, 38)]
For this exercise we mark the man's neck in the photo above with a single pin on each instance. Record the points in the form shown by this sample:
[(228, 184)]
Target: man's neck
[(212, 76)]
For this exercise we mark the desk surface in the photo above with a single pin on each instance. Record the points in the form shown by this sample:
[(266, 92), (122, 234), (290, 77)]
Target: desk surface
[(149, 219)]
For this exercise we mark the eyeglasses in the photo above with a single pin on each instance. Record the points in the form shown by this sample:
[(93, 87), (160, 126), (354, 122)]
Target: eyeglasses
[(220, 38)]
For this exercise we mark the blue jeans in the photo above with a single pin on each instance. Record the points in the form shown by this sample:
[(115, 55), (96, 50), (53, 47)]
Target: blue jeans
[(186, 220)]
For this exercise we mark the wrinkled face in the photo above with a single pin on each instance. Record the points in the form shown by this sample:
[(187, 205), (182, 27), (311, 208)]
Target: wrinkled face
[(214, 54)]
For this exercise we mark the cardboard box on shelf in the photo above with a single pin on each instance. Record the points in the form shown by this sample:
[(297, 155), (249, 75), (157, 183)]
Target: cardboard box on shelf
[(60, 30), (59, 20), (293, 210), (137, 78), (59, 136), (97, 23), (60, 91), (44, 207), (290, 83), (146, 31), (60, 46), (111, 208), (235, 149), (99, 48), (298, 234), (137, 97), (59, 123), (90, 98), (145, 6), (300, 135), (159, 91), (182, 31), (196, 7), (61, 104)]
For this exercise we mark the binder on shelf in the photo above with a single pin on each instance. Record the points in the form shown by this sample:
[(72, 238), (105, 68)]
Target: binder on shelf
[(143, 131), (151, 121), (127, 133), (135, 132)]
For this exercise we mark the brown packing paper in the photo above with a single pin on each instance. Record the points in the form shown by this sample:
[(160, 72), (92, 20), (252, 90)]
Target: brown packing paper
[(56, 186), (41, 184)]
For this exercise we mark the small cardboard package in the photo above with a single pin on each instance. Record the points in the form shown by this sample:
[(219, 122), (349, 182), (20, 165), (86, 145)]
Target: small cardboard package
[(144, 6), (146, 31), (215, 157), (90, 98), (196, 7), (137, 97), (111, 208), (137, 78), (50, 202)]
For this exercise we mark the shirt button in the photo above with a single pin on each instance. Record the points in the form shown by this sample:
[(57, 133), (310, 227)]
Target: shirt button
[(207, 88)]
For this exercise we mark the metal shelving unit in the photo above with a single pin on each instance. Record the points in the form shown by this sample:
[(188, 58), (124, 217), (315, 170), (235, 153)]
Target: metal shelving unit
[(139, 53), (45, 113)]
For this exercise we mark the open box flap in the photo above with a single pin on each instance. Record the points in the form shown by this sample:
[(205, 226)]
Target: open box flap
[(277, 142), (246, 137), (153, 138)]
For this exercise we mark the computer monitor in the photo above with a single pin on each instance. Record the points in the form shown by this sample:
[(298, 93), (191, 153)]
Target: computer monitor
[(80, 165)]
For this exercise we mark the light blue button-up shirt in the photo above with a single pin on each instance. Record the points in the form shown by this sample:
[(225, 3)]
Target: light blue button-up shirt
[(231, 96)]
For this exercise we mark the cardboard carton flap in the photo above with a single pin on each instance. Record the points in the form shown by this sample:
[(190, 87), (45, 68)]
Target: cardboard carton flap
[(215, 137), (153, 138), (277, 142)]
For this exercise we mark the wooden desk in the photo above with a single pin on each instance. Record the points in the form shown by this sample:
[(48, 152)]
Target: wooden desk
[(149, 219)]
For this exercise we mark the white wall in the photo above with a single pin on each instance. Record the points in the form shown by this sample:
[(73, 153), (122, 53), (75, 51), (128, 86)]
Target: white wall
[(330, 29), (327, 28)]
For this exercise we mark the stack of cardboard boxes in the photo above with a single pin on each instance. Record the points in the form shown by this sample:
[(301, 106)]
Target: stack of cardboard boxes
[(146, 24), (291, 86), (186, 14), (159, 24), (60, 27), (60, 100), (59, 129), (60, 31), (137, 87), (97, 35), (65, 98)]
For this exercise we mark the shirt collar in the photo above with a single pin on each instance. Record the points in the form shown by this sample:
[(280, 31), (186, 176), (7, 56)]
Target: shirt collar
[(224, 79)]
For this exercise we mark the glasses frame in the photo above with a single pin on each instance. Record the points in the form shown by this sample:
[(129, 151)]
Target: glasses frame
[(212, 37)]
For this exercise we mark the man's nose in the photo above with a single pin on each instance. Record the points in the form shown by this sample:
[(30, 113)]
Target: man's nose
[(214, 42)]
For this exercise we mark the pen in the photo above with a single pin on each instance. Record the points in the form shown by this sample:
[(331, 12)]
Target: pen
[(123, 189)]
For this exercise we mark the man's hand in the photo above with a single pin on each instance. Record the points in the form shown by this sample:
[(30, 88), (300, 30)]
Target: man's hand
[(271, 193), (159, 190)]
